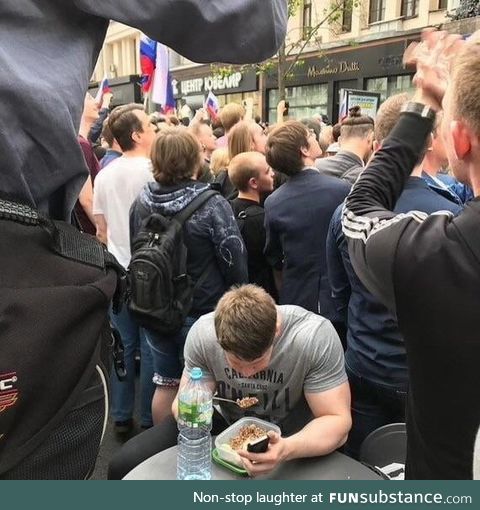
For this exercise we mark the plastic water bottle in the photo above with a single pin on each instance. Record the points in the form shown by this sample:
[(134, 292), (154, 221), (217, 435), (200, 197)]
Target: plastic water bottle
[(195, 408)]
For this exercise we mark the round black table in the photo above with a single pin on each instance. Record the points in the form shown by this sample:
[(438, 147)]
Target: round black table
[(336, 466)]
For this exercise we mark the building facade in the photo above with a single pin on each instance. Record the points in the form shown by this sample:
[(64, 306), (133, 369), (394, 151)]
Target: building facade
[(361, 49)]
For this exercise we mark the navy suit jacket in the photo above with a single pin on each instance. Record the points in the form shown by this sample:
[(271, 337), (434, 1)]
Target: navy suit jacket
[(297, 216)]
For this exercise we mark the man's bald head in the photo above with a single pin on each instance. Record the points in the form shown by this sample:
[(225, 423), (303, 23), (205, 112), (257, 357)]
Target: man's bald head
[(244, 166)]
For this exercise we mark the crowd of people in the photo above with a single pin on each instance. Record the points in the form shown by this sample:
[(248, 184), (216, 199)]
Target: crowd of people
[(334, 268), (302, 329)]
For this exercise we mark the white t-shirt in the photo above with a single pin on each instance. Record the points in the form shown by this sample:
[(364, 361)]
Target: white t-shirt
[(116, 188)]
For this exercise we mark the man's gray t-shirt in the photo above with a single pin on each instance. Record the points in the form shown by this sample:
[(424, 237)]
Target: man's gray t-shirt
[(307, 357)]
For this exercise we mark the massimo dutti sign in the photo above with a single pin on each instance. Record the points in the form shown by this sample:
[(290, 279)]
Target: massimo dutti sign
[(359, 62)]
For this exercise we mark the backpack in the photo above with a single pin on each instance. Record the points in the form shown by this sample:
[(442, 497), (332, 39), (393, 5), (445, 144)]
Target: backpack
[(161, 292), (56, 286)]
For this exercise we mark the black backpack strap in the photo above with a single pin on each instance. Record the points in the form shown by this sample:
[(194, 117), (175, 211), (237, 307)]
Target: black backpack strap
[(183, 216), (195, 204)]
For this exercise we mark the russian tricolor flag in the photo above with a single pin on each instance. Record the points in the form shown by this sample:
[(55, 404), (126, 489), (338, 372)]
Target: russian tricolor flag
[(104, 88), (212, 105), (148, 59)]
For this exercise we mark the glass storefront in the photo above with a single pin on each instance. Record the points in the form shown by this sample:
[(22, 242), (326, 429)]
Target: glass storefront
[(304, 101), (389, 85)]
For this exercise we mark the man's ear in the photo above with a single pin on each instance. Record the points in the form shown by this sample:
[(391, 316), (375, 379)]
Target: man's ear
[(376, 145), (252, 183), (462, 138), (304, 151), (136, 136)]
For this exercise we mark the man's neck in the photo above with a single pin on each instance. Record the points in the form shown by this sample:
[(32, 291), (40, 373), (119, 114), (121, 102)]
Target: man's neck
[(308, 163), (352, 146), (137, 152), (249, 195), (431, 165)]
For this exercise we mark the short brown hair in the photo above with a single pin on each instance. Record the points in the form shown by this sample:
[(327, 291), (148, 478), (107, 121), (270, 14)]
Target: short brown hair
[(123, 122), (246, 322), (388, 115), (175, 156), (284, 144), (243, 167), (356, 125), (465, 83), (230, 114), (107, 133), (239, 139)]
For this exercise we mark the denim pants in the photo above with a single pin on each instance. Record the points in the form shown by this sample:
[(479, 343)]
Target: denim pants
[(123, 392), (373, 405), (167, 352)]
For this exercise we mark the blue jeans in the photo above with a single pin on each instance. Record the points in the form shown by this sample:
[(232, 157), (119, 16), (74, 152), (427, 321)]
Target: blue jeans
[(123, 392), (373, 405), (167, 352)]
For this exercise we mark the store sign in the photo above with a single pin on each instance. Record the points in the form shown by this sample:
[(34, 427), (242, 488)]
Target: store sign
[(343, 66), (235, 82)]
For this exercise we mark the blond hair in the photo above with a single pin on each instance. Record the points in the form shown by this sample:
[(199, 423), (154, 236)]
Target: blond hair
[(243, 167), (245, 322), (219, 160), (466, 83), (230, 114)]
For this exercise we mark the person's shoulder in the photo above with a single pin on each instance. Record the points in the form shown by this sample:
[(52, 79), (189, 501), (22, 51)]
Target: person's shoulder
[(298, 320), (203, 330)]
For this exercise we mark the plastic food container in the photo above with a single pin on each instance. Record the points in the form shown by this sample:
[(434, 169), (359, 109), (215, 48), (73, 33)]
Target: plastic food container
[(222, 440)]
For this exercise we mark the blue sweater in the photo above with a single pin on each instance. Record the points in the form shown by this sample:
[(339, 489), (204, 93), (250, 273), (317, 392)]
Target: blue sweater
[(375, 347)]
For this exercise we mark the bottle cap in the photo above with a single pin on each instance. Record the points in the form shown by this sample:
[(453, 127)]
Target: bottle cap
[(196, 373)]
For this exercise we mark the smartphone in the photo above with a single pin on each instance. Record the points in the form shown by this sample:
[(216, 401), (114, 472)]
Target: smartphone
[(287, 106), (259, 445)]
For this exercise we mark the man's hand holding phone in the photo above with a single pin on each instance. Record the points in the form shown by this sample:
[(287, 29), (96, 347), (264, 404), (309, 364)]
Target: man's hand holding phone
[(262, 463)]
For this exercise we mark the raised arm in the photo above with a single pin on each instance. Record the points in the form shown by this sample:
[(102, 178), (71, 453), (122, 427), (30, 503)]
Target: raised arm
[(250, 30)]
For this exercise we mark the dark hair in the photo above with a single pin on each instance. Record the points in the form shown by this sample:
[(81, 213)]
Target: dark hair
[(107, 133), (175, 156), (336, 132), (123, 122), (356, 125), (284, 144)]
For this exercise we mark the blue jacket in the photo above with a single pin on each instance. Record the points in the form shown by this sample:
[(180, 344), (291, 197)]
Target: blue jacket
[(211, 234), (452, 189), (375, 347), (297, 216)]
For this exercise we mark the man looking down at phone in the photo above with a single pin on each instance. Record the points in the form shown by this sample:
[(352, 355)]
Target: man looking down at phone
[(290, 359)]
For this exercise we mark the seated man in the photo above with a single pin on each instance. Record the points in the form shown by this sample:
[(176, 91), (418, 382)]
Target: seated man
[(287, 357)]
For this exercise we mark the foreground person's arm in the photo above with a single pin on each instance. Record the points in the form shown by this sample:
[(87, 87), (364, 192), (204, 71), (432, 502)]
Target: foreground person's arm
[(252, 30)]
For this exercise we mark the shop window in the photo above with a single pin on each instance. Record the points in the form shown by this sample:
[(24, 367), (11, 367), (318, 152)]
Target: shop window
[(442, 4), (347, 16), (377, 11), (304, 102), (409, 8), (389, 85)]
